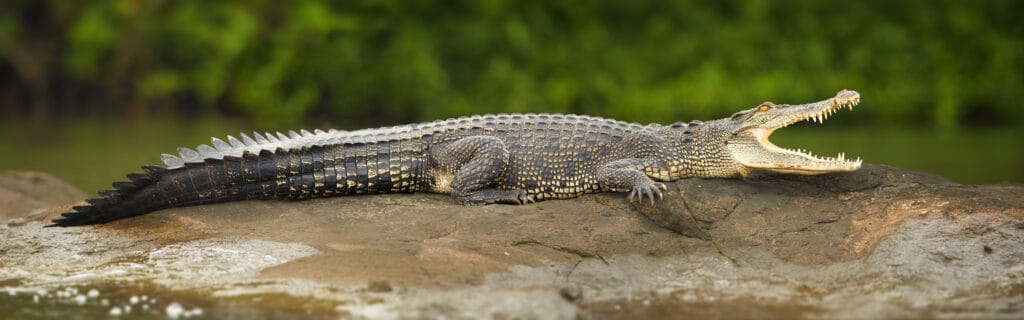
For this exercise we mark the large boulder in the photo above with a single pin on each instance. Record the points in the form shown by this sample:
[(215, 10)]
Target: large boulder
[(876, 242)]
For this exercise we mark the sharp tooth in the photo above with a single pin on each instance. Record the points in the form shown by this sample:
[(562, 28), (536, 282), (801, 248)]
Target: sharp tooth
[(842, 156)]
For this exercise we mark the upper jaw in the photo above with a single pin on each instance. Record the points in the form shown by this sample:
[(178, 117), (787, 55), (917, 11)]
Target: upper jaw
[(817, 111)]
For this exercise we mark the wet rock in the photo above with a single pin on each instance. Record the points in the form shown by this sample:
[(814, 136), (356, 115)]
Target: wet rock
[(528, 303), (879, 242), (379, 286)]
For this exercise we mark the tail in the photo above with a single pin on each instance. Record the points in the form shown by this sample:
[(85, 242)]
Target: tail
[(234, 170), (268, 175), (125, 200), (301, 165)]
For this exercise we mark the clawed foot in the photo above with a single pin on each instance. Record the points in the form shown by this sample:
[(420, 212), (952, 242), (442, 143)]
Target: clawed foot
[(491, 196), (649, 188)]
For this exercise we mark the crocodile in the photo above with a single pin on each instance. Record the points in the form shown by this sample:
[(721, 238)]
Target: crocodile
[(478, 160)]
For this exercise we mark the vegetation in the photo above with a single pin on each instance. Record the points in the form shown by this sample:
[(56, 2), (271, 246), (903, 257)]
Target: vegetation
[(938, 63)]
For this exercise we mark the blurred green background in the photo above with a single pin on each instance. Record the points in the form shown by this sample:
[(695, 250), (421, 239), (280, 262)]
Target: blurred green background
[(90, 90)]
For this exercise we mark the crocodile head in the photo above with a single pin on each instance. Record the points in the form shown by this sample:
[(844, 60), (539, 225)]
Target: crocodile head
[(749, 146)]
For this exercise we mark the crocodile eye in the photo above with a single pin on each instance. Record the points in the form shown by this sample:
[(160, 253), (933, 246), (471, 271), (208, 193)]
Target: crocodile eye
[(764, 108)]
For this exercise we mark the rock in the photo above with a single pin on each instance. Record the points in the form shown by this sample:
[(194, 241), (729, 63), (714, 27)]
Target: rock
[(379, 286), (23, 193), (823, 218), (879, 242)]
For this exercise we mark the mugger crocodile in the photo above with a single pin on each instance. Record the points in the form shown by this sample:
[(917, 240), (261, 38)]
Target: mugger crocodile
[(506, 158)]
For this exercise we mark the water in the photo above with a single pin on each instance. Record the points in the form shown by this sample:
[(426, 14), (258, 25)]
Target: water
[(92, 153), (142, 300)]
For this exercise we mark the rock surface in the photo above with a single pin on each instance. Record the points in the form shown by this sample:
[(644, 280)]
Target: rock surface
[(26, 193), (879, 242)]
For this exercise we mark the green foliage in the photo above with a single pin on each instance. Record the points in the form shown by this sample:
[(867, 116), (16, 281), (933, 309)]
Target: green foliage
[(91, 38), (941, 63)]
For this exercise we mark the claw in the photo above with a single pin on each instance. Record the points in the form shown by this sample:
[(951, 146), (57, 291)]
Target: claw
[(527, 199), (651, 190)]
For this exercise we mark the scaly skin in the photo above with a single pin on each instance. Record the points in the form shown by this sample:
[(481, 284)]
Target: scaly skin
[(512, 159)]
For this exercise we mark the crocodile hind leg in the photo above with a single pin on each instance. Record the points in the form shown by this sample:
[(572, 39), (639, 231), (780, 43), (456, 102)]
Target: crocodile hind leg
[(479, 164), (628, 175)]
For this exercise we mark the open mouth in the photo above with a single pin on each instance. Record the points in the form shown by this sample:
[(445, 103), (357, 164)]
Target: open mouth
[(803, 161)]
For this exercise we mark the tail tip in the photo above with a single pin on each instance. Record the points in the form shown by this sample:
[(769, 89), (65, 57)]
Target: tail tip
[(83, 215)]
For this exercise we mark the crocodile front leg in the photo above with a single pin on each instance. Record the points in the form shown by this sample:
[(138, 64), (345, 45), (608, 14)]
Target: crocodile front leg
[(628, 175), (479, 164)]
